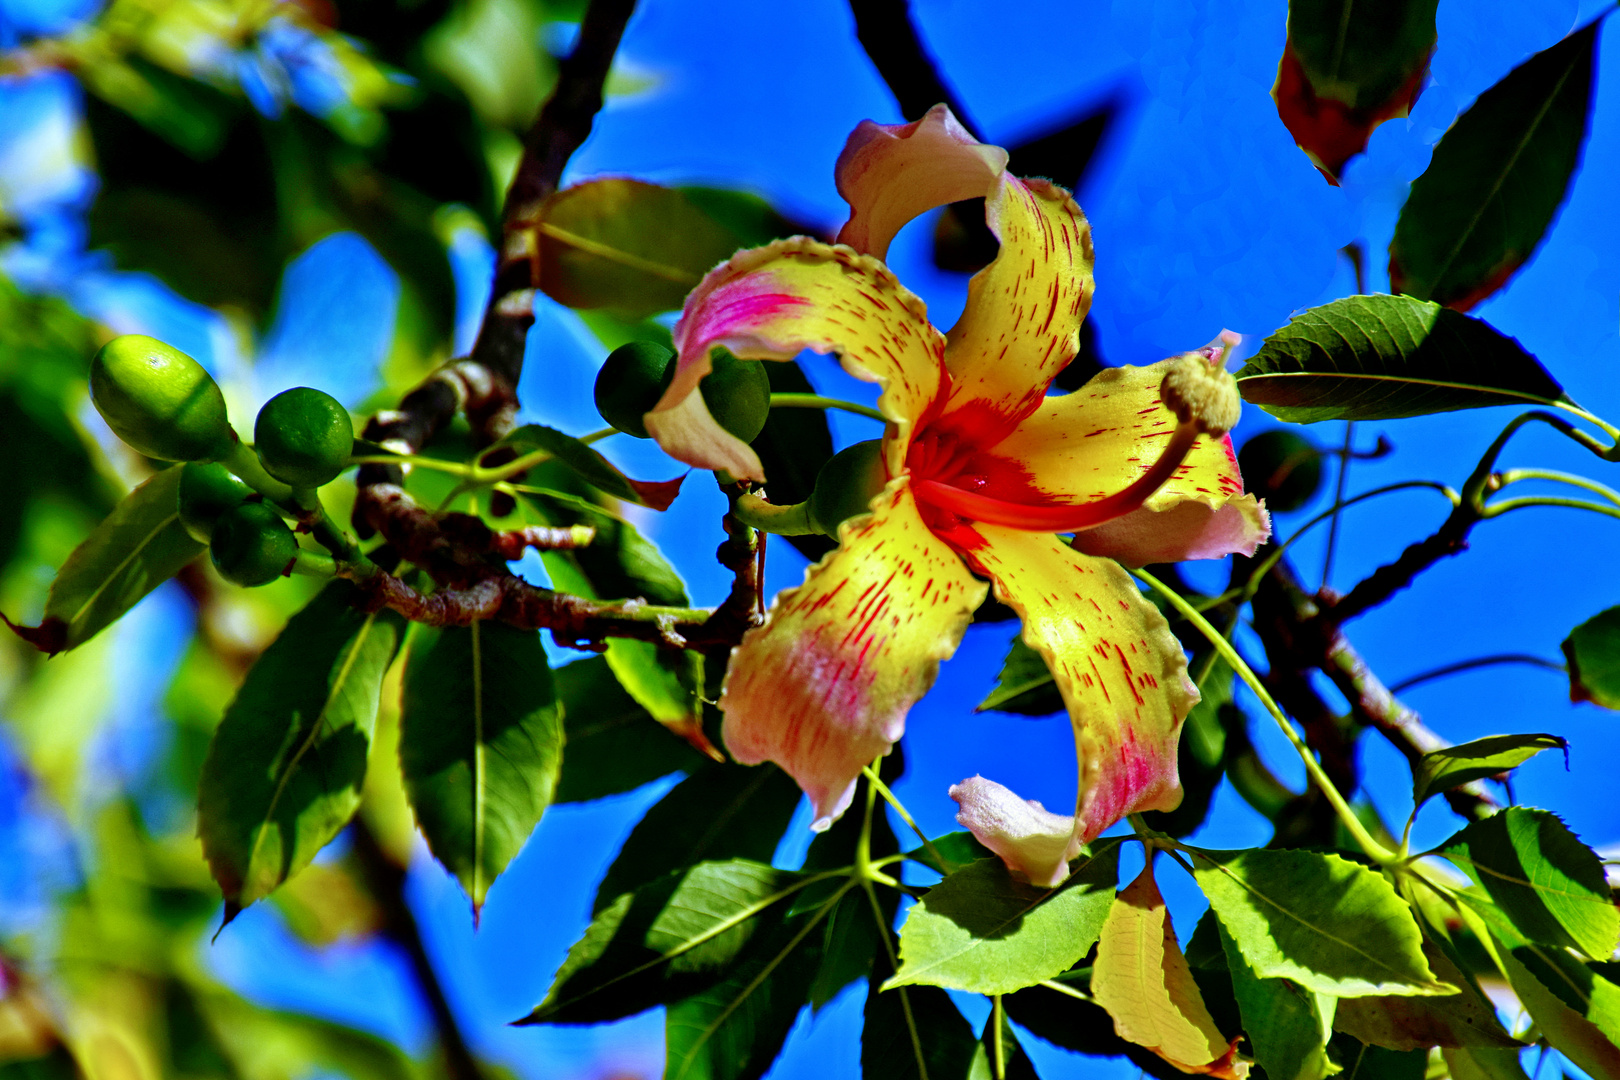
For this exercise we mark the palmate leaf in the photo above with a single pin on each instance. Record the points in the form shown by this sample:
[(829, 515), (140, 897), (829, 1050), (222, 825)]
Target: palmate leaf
[(1545, 882), (286, 765), (984, 931), (667, 940), (614, 745), (1328, 924), (136, 548), (914, 1033), (1141, 977), (1387, 358), (1496, 180), (721, 811), (1454, 766), (1288, 1027), (627, 245), (481, 740), (735, 1029), (1593, 652)]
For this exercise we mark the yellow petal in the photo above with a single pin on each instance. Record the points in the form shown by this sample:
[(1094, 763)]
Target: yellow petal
[(1021, 325), (1082, 446), (1122, 674), (823, 687), (890, 173), (771, 303), (1143, 981)]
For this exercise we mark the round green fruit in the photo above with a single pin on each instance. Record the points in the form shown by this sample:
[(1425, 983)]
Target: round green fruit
[(252, 545), (632, 379), (1281, 468), (207, 492), (846, 485), (738, 394), (304, 437), (159, 400)]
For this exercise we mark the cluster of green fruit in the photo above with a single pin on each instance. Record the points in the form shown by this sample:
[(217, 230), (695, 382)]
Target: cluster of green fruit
[(737, 394), (165, 405)]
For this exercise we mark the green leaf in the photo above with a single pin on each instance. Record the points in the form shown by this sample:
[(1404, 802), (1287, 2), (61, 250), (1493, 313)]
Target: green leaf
[(1000, 1057), (792, 448), (614, 745), (1593, 652), (1387, 358), (285, 769), (1496, 179), (1326, 923), (735, 1029), (1573, 1005), (1025, 685), (752, 220), (630, 246), (857, 933), (957, 849), (720, 811), (1454, 766), (138, 547), (590, 466), (983, 931), (668, 940), (914, 1033), (1466, 1018), (1470, 1063), (1288, 1027), (1361, 53), (1547, 883), (481, 742)]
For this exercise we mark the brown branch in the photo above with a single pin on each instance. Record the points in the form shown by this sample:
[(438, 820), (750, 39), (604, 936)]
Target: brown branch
[(385, 879), (887, 33), (1450, 539)]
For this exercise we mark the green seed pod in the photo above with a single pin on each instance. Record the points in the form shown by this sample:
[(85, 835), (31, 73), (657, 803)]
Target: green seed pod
[(304, 437), (1282, 468), (207, 492), (252, 545), (632, 379), (738, 394), (846, 485), (159, 400)]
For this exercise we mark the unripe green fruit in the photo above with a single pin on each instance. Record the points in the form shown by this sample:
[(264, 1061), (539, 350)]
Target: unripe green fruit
[(252, 545), (159, 400), (632, 379), (1281, 468), (207, 492), (635, 375), (304, 437), (738, 394), (846, 485)]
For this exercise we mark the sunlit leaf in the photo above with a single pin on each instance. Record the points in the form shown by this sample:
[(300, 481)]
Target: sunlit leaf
[(614, 745), (481, 739), (669, 939), (1082, 1026), (1496, 180), (1288, 1027), (1348, 67), (1593, 652), (1142, 979), (1454, 766), (1547, 883), (631, 246), (1466, 1018), (1469, 1063), (720, 811), (1574, 1005), (287, 763), (1386, 358), (1328, 924), (138, 547), (984, 931)]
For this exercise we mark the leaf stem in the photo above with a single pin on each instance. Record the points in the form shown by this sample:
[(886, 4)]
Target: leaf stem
[(1504, 506), (878, 786), (816, 401), (1513, 476), (1470, 665), (1352, 824)]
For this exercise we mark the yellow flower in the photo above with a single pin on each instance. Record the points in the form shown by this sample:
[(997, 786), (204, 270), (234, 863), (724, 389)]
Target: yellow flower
[(985, 470)]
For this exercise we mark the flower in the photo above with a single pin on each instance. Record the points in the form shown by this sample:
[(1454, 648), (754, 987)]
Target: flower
[(985, 469)]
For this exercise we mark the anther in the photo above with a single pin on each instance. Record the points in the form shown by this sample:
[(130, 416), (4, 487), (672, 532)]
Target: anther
[(1201, 393)]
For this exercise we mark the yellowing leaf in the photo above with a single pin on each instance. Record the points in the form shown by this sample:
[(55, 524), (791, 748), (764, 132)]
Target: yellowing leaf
[(1143, 981)]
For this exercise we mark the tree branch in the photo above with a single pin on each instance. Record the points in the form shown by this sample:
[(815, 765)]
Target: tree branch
[(887, 33)]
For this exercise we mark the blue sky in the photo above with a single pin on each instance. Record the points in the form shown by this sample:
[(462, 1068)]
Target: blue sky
[(1206, 216)]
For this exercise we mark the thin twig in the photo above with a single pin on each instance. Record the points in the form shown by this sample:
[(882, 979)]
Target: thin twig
[(890, 38)]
